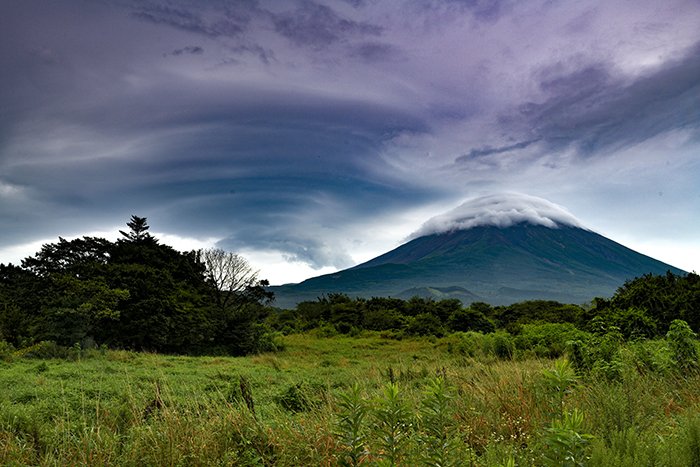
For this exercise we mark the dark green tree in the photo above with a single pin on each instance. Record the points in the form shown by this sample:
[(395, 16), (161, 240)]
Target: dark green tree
[(470, 320), (134, 293), (663, 298), (20, 302), (138, 230)]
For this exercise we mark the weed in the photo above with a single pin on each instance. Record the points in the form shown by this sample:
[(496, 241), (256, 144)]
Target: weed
[(247, 394), (441, 445), (566, 444), (351, 427), (561, 379), (392, 425)]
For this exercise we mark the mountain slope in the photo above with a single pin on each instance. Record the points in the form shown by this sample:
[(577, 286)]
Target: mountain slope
[(495, 264)]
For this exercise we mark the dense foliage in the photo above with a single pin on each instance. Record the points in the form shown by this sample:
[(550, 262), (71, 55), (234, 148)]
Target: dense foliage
[(649, 307), (135, 293), (643, 307)]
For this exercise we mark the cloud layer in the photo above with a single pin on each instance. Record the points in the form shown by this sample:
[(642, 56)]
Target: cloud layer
[(302, 129)]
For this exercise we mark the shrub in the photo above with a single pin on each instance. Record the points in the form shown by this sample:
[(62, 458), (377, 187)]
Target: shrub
[(682, 342), (469, 344), (425, 324), (560, 380), (635, 323), (470, 320), (301, 397), (6, 350), (325, 330), (439, 440), (270, 342), (651, 356), (502, 345), (548, 340), (579, 355), (392, 425), (382, 320)]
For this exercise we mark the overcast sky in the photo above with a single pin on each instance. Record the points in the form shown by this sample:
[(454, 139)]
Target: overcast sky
[(313, 135)]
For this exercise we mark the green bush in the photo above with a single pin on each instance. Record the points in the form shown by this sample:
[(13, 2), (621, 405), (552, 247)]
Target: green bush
[(382, 320), (302, 396), (352, 430), (392, 425), (502, 345), (425, 324), (6, 350), (650, 356), (548, 340), (635, 323), (469, 344), (325, 330), (683, 344), (470, 320)]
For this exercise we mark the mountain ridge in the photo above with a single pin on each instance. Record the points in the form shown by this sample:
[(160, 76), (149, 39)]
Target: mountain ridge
[(499, 265)]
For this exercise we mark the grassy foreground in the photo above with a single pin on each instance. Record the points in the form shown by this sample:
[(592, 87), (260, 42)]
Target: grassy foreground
[(341, 401)]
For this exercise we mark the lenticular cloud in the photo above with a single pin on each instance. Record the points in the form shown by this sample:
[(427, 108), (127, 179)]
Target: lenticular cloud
[(501, 210)]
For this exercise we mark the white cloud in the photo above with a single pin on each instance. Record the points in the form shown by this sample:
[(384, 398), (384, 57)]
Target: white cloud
[(500, 210), (181, 243), (8, 190), (274, 267), (16, 253)]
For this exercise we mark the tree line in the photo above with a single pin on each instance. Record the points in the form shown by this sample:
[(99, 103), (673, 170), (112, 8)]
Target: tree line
[(643, 307), (135, 293)]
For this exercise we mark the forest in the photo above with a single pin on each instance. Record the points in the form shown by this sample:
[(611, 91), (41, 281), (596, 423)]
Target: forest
[(135, 293)]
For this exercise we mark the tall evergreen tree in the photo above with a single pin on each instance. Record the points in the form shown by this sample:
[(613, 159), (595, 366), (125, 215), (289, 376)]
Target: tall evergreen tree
[(138, 230)]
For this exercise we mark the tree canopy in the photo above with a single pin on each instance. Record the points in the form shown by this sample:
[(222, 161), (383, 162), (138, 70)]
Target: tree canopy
[(135, 293)]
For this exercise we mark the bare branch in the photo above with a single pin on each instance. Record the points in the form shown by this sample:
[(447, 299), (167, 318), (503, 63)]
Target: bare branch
[(230, 273)]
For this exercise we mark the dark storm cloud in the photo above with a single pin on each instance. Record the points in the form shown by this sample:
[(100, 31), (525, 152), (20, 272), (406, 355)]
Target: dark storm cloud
[(188, 20), (228, 166), (315, 25), (593, 110), (376, 52), (189, 50), (265, 55), (285, 213), (486, 10), (439, 11), (488, 150)]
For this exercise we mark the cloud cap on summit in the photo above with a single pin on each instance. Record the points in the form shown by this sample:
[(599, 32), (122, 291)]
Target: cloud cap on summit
[(500, 210)]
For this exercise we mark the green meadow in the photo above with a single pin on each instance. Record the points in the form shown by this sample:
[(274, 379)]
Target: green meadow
[(363, 400)]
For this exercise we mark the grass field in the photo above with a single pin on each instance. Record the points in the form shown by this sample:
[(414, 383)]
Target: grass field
[(343, 400)]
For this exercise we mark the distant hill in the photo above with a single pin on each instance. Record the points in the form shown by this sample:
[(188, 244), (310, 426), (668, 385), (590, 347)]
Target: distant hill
[(521, 259)]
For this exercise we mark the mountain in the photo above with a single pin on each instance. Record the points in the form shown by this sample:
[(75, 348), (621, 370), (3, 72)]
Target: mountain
[(533, 249)]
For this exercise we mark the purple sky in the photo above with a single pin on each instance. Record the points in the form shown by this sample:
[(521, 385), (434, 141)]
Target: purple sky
[(310, 136)]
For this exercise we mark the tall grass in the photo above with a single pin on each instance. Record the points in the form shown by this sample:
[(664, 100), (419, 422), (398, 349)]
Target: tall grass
[(350, 401)]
